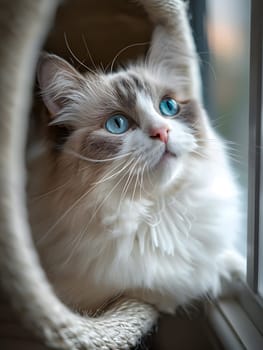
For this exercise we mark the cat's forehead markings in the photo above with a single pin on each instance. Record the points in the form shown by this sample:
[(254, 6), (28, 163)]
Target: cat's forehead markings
[(141, 84), (127, 87), (125, 92), (138, 83)]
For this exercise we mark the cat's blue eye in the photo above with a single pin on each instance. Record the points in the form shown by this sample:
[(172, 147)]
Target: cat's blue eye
[(117, 124), (168, 107)]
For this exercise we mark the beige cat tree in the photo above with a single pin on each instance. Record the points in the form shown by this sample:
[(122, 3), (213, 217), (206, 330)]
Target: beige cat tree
[(24, 25)]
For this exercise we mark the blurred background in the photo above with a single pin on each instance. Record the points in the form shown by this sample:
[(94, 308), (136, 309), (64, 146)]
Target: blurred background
[(226, 84)]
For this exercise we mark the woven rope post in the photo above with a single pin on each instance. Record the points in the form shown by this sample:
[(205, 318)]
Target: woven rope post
[(23, 27)]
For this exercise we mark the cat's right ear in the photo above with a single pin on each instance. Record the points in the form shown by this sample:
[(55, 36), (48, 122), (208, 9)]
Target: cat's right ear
[(58, 81), (172, 51)]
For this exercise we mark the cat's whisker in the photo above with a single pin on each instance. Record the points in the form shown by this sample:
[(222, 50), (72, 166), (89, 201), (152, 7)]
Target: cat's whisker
[(236, 154), (77, 155), (210, 67), (111, 173), (74, 56), (122, 50), (74, 244), (147, 174), (148, 170), (127, 184), (200, 154), (220, 123), (135, 184), (88, 52), (134, 188), (46, 194), (195, 133), (129, 180), (231, 151), (141, 181), (238, 161), (106, 198), (108, 176), (227, 143), (220, 117), (233, 142), (87, 167), (59, 220), (235, 157)]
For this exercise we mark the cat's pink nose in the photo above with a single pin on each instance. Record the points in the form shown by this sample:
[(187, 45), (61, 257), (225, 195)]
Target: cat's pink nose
[(160, 133)]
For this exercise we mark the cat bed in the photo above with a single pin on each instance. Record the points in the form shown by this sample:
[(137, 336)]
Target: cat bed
[(24, 27)]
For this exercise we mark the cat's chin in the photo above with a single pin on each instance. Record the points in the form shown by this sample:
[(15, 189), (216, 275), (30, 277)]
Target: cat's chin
[(166, 170), (166, 157), (167, 160)]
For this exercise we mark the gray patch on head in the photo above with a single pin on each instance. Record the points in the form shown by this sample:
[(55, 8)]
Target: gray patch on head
[(138, 83), (127, 89), (141, 85), (125, 92)]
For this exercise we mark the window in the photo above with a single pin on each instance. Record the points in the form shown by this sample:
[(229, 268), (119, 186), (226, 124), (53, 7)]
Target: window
[(228, 30), (239, 323)]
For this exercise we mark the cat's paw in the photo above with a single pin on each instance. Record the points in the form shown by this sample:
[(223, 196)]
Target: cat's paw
[(233, 272), (235, 265)]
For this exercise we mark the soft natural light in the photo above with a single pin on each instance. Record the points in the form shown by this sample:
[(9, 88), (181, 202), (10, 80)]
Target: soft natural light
[(228, 36)]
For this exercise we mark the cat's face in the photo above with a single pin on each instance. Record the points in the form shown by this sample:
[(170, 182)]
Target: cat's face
[(131, 125)]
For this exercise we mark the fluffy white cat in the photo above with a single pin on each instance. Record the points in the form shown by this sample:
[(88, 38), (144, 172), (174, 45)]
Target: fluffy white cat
[(131, 191)]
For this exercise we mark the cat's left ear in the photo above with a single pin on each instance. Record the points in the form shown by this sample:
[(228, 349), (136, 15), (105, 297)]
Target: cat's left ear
[(58, 82)]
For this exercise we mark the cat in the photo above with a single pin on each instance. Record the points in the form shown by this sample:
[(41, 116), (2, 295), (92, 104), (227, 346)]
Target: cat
[(130, 189)]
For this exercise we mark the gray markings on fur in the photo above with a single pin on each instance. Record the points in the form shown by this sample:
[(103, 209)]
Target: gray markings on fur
[(190, 113), (100, 148), (127, 88)]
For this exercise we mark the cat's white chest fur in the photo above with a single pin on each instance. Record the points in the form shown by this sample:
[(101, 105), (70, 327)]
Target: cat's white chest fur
[(165, 251), (150, 225)]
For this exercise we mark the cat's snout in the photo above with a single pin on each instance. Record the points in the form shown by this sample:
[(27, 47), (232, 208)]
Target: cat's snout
[(160, 133)]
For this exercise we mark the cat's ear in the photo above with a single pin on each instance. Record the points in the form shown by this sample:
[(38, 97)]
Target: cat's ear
[(58, 82), (172, 51)]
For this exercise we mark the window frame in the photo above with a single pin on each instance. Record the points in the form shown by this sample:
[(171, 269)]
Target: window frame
[(249, 297), (255, 142)]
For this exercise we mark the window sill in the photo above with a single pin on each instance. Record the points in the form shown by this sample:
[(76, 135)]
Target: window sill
[(233, 327)]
